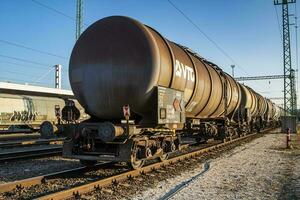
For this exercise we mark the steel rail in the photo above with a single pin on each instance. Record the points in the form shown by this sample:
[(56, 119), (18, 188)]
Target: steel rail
[(79, 190), (20, 184), (38, 152), (22, 143), (19, 136)]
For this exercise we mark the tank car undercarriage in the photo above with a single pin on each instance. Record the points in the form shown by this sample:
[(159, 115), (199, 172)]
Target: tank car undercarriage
[(134, 143)]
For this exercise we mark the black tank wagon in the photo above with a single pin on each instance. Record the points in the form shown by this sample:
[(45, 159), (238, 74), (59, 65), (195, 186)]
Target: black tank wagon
[(171, 91)]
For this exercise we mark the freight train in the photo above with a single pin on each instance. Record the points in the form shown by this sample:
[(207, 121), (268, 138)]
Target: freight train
[(147, 95), (26, 109)]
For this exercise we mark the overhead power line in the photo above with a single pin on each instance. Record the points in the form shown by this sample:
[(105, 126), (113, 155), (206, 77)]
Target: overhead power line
[(20, 80), (206, 36), (210, 39), (23, 66), (43, 75), (17, 72), (32, 49), (24, 60), (27, 66), (55, 10), (37, 78)]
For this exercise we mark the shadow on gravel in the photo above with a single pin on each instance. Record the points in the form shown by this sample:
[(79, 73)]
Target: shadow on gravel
[(184, 184), (289, 190)]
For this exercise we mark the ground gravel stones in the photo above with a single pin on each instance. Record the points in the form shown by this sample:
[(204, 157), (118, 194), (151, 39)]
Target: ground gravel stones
[(159, 179), (27, 168), (261, 169)]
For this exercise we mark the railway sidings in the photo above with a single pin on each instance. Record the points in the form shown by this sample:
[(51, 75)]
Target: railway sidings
[(148, 118), (230, 164), (109, 176), (24, 149)]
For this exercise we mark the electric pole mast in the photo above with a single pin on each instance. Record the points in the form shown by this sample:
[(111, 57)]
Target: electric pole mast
[(294, 92), (232, 67), (79, 18), (290, 105)]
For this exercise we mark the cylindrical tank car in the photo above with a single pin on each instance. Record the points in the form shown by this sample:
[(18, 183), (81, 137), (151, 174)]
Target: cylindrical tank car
[(145, 94)]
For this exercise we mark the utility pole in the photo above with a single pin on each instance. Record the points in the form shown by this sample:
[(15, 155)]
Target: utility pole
[(290, 106), (57, 76), (79, 17), (232, 66), (297, 60), (294, 92)]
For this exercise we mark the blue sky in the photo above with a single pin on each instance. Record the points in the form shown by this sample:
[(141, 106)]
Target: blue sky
[(247, 30)]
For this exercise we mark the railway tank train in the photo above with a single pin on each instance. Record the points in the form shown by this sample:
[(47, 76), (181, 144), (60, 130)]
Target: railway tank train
[(146, 95)]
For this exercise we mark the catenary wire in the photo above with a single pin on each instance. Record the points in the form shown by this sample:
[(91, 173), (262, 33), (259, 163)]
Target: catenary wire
[(21, 65), (32, 49), (25, 60), (210, 39), (43, 76), (55, 10), (16, 72), (4, 79)]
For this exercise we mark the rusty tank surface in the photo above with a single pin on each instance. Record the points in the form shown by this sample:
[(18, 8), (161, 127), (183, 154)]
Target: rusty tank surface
[(120, 66), (119, 61)]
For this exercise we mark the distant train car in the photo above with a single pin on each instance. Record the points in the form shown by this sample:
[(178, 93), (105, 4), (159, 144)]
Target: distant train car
[(21, 110), (26, 110)]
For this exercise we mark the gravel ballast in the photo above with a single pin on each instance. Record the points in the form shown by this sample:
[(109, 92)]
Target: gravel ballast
[(27, 168), (261, 169)]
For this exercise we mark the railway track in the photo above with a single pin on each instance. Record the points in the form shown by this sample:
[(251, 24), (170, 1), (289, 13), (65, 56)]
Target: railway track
[(22, 153), (32, 142), (40, 179), (19, 149), (18, 136), (94, 180)]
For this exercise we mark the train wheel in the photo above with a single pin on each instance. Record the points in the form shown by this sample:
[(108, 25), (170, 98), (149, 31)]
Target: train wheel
[(164, 157), (135, 163), (88, 163), (47, 130)]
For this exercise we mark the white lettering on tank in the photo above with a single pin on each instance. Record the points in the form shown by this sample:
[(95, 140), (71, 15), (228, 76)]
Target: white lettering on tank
[(184, 71), (178, 70)]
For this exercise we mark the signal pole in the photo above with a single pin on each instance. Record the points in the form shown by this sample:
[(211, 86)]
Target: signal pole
[(79, 17), (290, 105)]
